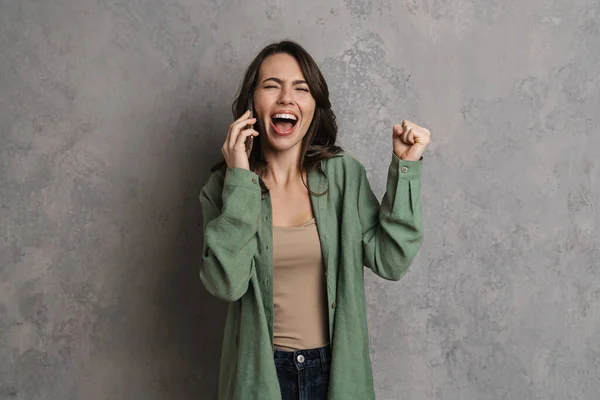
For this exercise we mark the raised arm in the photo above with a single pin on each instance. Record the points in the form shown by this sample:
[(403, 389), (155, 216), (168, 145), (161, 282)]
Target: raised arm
[(392, 232)]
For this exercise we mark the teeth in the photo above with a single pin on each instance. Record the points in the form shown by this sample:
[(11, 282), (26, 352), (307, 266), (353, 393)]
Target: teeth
[(286, 116)]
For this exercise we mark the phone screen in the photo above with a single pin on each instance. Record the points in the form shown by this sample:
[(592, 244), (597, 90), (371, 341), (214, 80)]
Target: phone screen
[(251, 106), (250, 139)]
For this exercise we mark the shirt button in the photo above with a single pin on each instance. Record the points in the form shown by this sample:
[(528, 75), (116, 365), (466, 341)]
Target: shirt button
[(404, 169), (254, 180), (300, 358), (333, 305), (266, 218)]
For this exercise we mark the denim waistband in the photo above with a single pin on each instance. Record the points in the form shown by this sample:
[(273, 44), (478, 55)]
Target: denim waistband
[(300, 359)]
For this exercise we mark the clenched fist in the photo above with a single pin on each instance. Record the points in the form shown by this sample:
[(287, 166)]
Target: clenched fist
[(410, 140)]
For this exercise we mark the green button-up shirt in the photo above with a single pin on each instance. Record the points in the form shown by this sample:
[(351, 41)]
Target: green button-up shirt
[(355, 230)]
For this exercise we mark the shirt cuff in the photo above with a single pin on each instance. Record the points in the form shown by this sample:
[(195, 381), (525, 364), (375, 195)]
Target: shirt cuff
[(405, 169), (243, 178)]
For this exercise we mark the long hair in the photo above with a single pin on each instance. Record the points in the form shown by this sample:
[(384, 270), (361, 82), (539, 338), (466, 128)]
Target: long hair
[(319, 142)]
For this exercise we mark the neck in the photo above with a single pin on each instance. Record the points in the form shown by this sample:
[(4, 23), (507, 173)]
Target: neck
[(282, 166)]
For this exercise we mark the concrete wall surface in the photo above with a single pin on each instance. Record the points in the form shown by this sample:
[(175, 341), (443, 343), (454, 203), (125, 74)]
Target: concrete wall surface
[(113, 111)]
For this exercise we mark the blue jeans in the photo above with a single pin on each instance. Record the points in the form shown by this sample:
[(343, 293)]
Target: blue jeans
[(303, 374)]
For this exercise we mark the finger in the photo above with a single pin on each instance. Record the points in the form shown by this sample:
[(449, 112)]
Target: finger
[(410, 138), (235, 130), (416, 128), (410, 123), (242, 117), (404, 136), (406, 125), (397, 130), (423, 138), (241, 122), (241, 139)]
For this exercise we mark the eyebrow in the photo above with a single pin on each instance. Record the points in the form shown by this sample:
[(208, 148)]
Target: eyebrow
[(296, 82)]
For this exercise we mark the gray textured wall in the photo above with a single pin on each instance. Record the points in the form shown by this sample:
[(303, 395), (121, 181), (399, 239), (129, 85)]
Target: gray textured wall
[(112, 111)]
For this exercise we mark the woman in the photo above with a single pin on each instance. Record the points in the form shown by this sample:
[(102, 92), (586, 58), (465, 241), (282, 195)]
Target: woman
[(288, 228)]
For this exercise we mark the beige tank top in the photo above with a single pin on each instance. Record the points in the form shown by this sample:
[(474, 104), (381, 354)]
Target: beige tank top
[(299, 289)]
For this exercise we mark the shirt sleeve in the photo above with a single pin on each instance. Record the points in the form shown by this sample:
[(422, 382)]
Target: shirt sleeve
[(392, 232), (230, 233)]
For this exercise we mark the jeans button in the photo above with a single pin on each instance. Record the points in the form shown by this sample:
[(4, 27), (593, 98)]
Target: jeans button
[(300, 358)]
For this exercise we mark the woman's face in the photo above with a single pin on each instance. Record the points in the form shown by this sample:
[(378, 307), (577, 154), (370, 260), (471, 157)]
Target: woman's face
[(283, 103)]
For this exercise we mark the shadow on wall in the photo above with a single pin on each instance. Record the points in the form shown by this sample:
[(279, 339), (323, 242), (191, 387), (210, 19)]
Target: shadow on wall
[(122, 313), (196, 318)]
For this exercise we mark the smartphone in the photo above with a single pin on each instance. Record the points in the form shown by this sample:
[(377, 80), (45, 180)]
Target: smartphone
[(250, 139)]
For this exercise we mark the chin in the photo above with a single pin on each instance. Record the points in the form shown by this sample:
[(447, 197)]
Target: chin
[(283, 143)]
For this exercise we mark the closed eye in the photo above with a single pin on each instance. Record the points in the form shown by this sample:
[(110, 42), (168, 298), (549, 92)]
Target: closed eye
[(275, 87)]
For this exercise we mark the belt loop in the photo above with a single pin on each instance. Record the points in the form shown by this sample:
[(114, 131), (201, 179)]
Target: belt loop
[(323, 359)]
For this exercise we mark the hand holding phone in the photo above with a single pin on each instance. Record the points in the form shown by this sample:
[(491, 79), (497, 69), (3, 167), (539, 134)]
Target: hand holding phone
[(235, 148)]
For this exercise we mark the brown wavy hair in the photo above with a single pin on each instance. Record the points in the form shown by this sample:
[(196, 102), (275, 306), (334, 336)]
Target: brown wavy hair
[(319, 142)]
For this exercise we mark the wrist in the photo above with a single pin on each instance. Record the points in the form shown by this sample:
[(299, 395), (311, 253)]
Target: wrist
[(405, 157)]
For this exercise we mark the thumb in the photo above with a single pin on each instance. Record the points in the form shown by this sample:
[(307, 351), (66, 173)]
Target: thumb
[(397, 130)]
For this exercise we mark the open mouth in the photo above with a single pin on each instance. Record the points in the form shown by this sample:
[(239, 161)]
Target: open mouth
[(284, 123)]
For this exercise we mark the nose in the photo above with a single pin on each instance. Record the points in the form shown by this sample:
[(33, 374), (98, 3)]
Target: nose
[(285, 96)]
